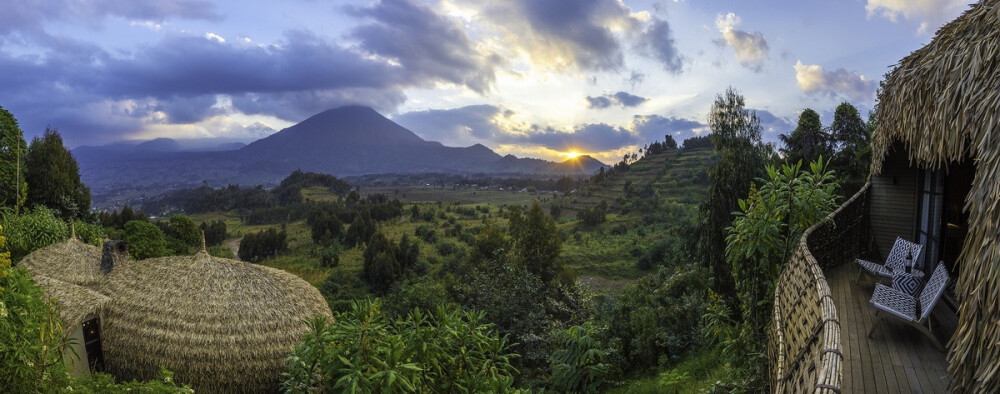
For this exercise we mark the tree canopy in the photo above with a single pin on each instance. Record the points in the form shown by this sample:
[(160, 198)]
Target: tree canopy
[(13, 188), (54, 177)]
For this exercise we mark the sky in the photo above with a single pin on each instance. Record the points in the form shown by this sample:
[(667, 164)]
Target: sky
[(536, 78)]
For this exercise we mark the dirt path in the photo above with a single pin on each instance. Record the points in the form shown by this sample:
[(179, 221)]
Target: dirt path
[(234, 244)]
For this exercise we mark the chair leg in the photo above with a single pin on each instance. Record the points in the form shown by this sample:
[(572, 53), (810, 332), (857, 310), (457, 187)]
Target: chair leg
[(878, 321), (926, 330)]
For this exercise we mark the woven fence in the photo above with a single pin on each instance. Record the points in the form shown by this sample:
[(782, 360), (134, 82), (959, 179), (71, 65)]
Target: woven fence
[(804, 340)]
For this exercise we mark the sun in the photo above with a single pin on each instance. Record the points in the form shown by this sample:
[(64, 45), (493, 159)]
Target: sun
[(571, 154)]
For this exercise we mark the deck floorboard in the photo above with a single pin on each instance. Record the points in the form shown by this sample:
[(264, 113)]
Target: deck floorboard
[(898, 358)]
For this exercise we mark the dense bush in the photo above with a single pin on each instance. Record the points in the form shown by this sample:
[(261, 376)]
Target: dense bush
[(215, 232), (578, 365), (145, 240), (386, 261), (656, 321), (32, 230), (31, 334), (364, 351), (594, 215), (90, 233), (258, 246)]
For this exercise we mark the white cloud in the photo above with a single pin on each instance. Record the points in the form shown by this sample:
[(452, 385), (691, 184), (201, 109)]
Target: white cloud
[(813, 79), (929, 13), (216, 37), (751, 48)]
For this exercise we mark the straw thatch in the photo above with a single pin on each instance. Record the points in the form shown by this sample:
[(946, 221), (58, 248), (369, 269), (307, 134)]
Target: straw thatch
[(220, 325), (943, 103), (75, 302), (71, 261)]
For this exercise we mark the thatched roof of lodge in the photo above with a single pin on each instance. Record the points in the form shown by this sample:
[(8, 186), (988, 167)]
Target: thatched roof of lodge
[(943, 103), (71, 261), (220, 325), (75, 302)]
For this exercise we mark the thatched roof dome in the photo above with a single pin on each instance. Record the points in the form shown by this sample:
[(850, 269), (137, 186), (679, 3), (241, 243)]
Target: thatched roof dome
[(75, 302), (71, 261), (219, 324), (943, 103)]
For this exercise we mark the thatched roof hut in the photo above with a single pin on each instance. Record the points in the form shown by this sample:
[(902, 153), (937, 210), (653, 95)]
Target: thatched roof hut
[(75, 302), (71, 261), (220, 325), (942, 103)]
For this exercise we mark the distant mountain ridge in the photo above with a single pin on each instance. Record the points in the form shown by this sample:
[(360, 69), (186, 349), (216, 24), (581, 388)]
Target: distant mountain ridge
[(350, 140)]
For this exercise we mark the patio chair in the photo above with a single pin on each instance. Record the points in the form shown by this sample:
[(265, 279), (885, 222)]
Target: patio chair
[(914, 311), (896, 260)]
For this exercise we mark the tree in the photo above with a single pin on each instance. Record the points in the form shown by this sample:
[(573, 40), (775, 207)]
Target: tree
[(215, 232), (808, 141), (13, 188), (853, 156), (736, 135), (182, 234), (536, 242), (760, 242), (145, 240), (668, 142), (53, 177)]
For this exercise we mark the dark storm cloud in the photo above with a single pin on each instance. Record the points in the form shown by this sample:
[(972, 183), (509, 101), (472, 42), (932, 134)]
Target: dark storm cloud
[(86, 90), (623, 99), (428, 45), (657, 42), (187, 65), (29, 16)]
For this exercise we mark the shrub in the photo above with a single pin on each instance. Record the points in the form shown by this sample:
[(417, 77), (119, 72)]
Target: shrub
[(578, 366), (32, 230), (145, 240), (447, 351)]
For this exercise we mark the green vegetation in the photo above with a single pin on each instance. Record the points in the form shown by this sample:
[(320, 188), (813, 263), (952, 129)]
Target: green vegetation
[(54, 177), (13, 187), (363, 350)]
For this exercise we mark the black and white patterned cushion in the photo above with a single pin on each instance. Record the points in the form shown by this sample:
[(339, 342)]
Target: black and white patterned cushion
[(907, 283)]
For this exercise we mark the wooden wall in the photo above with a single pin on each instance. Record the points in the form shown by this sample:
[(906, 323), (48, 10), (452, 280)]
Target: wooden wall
[(894, 201)]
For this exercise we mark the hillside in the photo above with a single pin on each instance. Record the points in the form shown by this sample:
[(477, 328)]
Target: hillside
[(679, 175)]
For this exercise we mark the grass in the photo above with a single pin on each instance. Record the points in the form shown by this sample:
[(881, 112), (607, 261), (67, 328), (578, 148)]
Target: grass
[(697, 373)]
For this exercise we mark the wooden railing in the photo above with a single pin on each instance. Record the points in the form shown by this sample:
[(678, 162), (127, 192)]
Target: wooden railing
[(804, 339)]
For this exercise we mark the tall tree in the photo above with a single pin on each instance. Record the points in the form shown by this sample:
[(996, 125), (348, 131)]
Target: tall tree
[(736, 135), (13, 188), (808, 141), (851, 138), (536, 242), (54, 177)]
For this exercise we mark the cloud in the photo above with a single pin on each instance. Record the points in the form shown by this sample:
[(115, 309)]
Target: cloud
[(427, 45), (751, 48), (30, 16), (929, 13), (655, 127), (623, 99), (839, 83), (773, 125), (559, 33), (657, 41), (494, 126)]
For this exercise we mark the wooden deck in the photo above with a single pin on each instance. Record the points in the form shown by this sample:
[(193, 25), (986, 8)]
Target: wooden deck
[(897, 359)]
